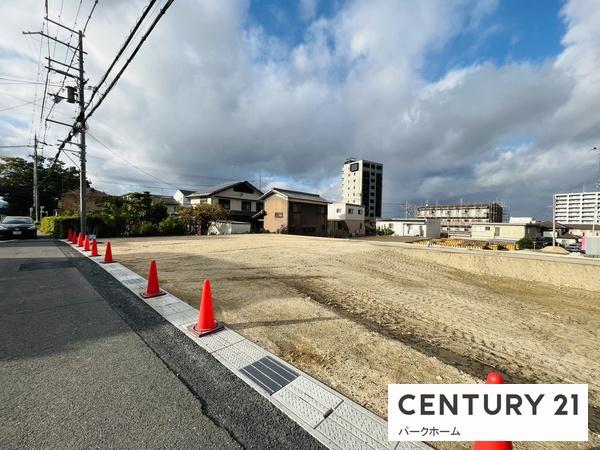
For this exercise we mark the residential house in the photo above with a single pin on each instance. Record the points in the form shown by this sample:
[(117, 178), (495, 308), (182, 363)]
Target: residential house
[(294, 212), (240, 198), (583, 229), (427, 228), (506, 231), (345, 219), (181, 196)]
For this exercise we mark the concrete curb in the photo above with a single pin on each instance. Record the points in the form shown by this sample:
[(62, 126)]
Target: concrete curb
[(333, 419)]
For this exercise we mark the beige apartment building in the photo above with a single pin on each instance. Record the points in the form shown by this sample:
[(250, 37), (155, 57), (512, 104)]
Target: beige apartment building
[(458, 218)]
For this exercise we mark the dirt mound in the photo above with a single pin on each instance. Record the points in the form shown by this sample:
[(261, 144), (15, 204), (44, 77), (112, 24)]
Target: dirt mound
[(555, 250)]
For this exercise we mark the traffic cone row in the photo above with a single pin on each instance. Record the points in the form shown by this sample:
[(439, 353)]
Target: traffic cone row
[(206, 318)]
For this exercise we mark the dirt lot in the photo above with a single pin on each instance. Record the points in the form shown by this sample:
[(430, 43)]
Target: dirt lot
[(360, 314)]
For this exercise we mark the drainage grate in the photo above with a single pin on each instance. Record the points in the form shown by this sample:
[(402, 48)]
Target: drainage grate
[(45, 265), (269, 374)]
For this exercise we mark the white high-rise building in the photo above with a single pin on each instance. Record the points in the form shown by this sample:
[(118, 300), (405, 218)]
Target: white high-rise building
[(362, 184), (577, 207)]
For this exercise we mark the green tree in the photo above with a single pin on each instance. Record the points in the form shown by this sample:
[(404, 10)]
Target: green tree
[(138, 214), (16, 183), (197, 218)]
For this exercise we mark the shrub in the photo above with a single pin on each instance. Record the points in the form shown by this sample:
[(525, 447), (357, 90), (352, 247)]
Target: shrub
[(384, 231), (524, 243), (148, 229), (171, 227), (58, 226)]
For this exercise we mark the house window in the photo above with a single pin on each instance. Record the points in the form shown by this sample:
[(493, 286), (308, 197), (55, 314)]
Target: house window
[(338, 210), (350, 211), (487, 228), (353, 167), (246, 205), (279, 215), (360, 226), (359, 211), (260, 206), (224, 203)]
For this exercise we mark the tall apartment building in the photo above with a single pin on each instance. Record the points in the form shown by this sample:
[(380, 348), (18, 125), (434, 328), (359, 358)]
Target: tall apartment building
[(362, 184), (457, 219), (577, 207)]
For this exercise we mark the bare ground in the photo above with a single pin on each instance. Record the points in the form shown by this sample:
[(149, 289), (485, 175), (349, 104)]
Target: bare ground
[(359, 315)]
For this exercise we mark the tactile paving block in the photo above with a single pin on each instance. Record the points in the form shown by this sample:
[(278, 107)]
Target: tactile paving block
[(133, 281), (181, 318), (180, 306), (353, 417), (314, 393), (233, 357), (304, 410), (218, 340), (339, 436), (251, 349)]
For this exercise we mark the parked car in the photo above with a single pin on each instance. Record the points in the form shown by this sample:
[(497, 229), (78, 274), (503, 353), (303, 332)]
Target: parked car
[(16, 227), (573, 247)]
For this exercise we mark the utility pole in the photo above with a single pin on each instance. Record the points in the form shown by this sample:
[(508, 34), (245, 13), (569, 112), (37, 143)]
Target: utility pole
[(82, 127), (553, 220), (36, 198), (79, 126)]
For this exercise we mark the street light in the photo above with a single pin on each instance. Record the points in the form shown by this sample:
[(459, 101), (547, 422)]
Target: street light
[(596, 149)]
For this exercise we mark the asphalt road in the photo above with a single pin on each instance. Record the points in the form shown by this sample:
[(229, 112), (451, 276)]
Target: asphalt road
[(84, 363)]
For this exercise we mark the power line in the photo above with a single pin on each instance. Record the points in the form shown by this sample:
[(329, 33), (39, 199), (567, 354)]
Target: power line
[(132, 33), (135, 51), (17, 106), (129, 162), (16, 81)]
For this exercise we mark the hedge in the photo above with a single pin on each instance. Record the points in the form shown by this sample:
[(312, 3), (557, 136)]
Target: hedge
[(58, 226), (101, 226)]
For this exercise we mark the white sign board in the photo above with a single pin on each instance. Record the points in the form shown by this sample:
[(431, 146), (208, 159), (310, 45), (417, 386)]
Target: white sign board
[(488, 412)]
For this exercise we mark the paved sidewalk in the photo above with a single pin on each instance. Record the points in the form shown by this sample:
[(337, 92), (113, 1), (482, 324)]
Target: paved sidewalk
[(83, 363)]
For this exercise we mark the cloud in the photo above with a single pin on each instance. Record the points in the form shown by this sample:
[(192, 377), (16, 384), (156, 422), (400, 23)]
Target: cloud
[(307, 9), (214, 96)]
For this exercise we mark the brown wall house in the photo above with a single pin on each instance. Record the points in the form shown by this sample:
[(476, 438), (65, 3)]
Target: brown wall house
[(295, 212)]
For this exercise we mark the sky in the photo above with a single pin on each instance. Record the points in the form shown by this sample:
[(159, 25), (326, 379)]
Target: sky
[(461, 100)]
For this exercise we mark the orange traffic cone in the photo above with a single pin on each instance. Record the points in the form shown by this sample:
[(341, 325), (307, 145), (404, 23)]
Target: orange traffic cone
[(493, 378), (80, 240), (69, 235), (153, 289), (86, 243), (206, 318), (108, 255), (74, 237), (94, 248)]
